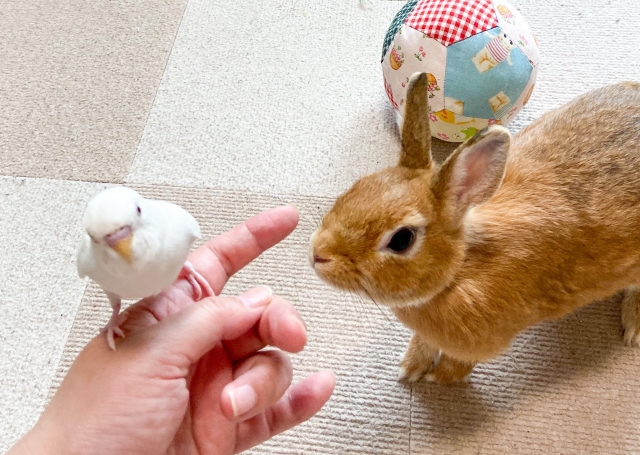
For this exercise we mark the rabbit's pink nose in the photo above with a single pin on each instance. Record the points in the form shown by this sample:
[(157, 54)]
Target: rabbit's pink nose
[(319, 260)]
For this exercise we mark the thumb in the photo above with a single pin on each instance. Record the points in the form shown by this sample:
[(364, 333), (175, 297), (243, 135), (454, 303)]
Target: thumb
[(196, 329)]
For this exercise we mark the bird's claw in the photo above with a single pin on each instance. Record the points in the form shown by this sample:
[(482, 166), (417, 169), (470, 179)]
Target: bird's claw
[(110, 338), (117, 330), (113, 327), (197, 281)]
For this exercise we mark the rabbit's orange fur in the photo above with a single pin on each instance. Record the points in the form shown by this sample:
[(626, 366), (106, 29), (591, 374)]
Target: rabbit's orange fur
[(510, 232)]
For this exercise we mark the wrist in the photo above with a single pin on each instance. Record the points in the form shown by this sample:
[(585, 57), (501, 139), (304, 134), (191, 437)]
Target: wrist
[(42, 439)]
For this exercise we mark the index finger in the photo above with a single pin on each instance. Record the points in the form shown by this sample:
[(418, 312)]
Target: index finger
[(221, 257)]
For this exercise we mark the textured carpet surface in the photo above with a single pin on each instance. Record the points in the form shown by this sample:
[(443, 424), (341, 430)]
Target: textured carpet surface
[(229, 108)]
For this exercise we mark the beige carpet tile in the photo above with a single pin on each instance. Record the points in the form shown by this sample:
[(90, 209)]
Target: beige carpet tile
[(39, 291), (272, 96), (77, 81)]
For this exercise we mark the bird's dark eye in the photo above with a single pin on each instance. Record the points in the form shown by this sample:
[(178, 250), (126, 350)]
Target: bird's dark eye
[(139, 211), (402, 240)]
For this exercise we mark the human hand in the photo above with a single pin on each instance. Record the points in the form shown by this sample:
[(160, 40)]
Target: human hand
[(189, 378)]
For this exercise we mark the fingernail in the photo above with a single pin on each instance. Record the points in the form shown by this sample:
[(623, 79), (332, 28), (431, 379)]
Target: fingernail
[(243, 399), (256, 296)]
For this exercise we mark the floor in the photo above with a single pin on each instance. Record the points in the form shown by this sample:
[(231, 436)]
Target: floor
[(229, 108)]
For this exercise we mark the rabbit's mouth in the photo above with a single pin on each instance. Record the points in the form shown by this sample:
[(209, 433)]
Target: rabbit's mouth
[(335, 270), (336, 273), (343, 274)]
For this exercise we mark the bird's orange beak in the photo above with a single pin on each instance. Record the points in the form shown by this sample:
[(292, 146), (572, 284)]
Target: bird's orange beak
[(123, 247), (120, 242)]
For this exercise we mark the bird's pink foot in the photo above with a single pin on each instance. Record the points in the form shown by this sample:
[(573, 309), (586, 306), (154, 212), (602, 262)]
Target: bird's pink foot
[(113, 327), (197, 281)]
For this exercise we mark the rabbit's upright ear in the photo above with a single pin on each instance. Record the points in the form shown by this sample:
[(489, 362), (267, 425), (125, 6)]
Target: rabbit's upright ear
[(416, 136), (474, 171)]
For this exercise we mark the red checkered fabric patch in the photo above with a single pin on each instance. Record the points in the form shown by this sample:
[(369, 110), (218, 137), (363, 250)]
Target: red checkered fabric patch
[(450, 21)]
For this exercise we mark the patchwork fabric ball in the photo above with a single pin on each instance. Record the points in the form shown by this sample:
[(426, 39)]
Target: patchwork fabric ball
[(480, 57)]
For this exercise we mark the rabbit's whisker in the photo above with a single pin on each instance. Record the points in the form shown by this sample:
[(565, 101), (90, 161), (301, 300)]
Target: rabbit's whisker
[(377, 305)]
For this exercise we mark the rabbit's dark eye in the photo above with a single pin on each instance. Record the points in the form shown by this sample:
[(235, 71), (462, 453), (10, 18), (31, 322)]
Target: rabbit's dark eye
[(139, 211), (402, 240)]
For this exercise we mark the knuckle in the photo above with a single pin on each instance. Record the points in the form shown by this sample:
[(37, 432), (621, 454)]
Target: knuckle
[(223, 305)]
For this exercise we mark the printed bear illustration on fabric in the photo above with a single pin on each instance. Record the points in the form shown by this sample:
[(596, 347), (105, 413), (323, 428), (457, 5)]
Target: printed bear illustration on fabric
[(506, 14), (500, 103), (494, 52)]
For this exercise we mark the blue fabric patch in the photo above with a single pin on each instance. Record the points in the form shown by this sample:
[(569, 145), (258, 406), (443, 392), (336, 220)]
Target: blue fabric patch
[(478, 71)]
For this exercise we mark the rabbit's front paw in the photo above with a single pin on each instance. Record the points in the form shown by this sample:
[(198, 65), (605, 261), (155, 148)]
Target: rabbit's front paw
[(418, 360), (631, 316), (449, 370), (421, 360)]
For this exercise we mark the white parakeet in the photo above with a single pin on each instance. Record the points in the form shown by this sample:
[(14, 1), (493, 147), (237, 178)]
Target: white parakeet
[(135, 248)]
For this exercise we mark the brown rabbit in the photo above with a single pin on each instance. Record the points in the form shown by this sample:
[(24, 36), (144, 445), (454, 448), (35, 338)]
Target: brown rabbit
[(506, 233)]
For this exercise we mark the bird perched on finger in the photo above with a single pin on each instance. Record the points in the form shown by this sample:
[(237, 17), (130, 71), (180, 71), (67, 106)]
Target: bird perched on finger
[(135, 248)]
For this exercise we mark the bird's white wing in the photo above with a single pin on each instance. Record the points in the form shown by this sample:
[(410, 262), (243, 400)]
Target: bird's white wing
[(84, 258), (180, 223)]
